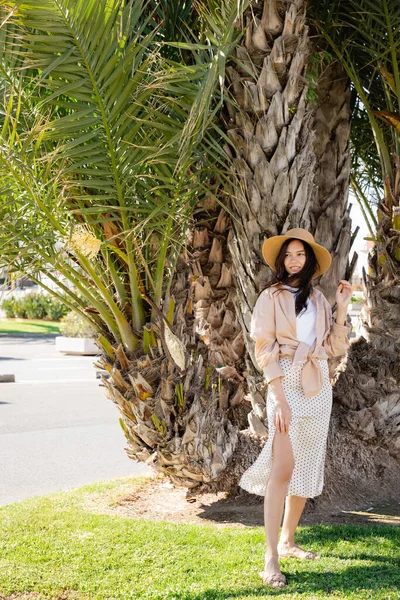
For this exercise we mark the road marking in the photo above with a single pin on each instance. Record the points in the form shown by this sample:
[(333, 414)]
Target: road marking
[(46, 381), (73, 358), (61, 368), (86, 359)]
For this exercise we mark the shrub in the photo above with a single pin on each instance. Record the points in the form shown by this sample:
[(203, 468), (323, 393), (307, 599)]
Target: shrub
[(56, 309), (19, 309), (9, 307), (35, 306), (73, 325)]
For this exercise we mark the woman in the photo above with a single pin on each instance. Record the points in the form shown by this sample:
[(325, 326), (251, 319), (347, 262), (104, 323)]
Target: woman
[(295, 334)]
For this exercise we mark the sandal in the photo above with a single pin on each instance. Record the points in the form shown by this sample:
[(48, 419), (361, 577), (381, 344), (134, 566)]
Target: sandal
[(276, 580)]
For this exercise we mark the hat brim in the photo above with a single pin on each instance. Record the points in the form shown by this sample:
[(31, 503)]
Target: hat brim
[(272, 246)]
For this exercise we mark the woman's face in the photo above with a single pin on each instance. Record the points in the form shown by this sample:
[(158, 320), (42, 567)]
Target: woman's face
[(295, 257)]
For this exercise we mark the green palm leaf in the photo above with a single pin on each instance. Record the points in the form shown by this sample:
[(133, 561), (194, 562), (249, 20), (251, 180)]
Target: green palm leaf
[(102, 148), (364, 37)]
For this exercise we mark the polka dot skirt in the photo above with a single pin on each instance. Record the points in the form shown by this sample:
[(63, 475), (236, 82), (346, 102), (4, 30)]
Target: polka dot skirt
[(308, 433)]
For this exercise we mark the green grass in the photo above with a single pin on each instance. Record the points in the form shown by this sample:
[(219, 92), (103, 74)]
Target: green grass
[(59, 545), (11, 327)]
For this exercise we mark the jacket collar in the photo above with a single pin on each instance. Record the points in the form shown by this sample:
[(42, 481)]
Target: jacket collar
[(312, 294)]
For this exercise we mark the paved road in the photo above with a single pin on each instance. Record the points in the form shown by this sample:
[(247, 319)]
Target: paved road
[(57, 429)]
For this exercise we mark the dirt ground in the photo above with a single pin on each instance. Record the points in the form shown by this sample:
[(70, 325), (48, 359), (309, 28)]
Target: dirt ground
[(157, 499)]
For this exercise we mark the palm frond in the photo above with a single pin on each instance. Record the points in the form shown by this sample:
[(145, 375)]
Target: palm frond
[(364, 37), (101, 130)]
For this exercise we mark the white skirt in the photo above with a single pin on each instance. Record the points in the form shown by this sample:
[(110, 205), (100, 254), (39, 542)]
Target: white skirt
[(308, 432)]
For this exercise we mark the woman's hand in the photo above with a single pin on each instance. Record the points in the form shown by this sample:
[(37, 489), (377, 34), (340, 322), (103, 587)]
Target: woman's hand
[(343, 294), (282, 416), (282, 412)]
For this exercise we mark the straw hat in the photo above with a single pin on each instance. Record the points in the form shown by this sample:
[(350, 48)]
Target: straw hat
[(272, 246)]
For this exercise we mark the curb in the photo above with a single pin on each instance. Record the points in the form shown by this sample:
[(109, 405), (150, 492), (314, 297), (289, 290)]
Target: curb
[(35, 336)]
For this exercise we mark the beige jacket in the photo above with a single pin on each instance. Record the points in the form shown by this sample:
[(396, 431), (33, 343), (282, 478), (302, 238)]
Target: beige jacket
[(273, 328)]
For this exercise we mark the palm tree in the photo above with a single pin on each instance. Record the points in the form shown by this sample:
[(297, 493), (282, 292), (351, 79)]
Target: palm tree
[(113, 175), (364, 37), (288, 131), (108, 147), (289, 142)]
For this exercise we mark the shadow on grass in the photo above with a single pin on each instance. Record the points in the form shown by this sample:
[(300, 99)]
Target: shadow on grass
[(322, 535), (359, 571), (385, 580)]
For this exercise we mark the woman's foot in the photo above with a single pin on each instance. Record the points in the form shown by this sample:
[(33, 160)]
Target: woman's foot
[(286, 550), (272, 573)]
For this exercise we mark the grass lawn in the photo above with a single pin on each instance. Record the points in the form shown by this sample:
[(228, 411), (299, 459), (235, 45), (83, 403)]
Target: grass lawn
[(60, 547), (12, 326)]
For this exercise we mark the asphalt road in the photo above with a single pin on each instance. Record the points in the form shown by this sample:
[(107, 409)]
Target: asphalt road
[(57, 428)]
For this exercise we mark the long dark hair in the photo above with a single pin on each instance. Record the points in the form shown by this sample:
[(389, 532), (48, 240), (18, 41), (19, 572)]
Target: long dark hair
[(304, 277)]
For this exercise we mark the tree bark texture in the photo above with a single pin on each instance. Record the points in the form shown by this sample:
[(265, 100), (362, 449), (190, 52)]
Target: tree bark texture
[(172, 419), (182, 414), (214, 310), (291, 157), (369, 386), (292, 160)]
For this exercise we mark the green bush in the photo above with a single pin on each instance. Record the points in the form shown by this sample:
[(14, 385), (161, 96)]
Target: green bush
[(35, 306), (72, 325), (56, 310), (9, 307), (357, 299), (19, 309)]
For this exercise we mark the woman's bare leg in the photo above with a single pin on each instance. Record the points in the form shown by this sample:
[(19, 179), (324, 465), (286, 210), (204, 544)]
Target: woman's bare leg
[(293, 509), (281, 471)]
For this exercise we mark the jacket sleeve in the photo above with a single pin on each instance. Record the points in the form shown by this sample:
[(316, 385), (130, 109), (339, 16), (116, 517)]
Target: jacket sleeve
[(337, 341), (263, 332)]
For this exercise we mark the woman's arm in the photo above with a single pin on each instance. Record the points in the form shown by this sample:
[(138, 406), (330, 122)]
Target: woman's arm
[(337, 341), (263, 332), (341, 315)]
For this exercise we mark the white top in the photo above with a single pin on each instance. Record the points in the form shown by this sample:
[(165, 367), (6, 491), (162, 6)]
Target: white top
[(306, 321)]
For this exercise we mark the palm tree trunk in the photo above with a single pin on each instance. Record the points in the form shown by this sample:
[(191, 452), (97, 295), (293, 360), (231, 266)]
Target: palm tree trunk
[(290, 155), (293, 160), (214, 309), (368, 384), (381, 312), (190, 440), (171, 420)]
